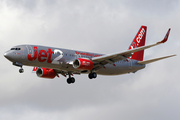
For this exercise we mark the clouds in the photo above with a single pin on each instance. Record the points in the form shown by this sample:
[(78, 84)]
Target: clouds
[(158, 8), (99, 26)]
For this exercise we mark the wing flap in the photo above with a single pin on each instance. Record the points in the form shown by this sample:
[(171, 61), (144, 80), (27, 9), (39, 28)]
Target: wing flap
[(154, 60)]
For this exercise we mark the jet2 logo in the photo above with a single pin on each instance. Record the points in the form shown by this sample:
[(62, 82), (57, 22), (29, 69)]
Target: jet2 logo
[(43, 55)]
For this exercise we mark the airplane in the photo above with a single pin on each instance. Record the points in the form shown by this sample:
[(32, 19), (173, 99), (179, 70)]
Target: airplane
[(49, 62)]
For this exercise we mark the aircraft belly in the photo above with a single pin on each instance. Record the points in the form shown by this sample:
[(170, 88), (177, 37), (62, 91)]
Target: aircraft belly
[(113, 70), (119, 69)]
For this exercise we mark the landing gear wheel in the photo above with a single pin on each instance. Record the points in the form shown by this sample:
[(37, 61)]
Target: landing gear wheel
[(70, 80), (92, 75), (21, 70)]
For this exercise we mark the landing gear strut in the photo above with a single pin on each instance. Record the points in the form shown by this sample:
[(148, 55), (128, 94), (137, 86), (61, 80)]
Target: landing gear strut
[(70, 79), (21, 70), (92, 75)]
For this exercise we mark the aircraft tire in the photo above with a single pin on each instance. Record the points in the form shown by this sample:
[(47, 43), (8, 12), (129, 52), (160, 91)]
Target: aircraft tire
[(21, 70), (92, 75), (70, 80)]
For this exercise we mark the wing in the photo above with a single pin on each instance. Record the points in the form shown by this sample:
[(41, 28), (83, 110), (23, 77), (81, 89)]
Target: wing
[(111, 58)]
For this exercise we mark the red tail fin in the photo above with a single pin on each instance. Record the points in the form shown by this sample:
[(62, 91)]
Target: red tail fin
[(139, 41)]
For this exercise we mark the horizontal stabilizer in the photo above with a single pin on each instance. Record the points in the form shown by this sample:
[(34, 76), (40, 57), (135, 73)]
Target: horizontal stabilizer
[(154, 60)]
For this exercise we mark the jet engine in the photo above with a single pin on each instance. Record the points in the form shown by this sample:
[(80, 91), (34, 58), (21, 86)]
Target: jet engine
[(46, 73), (83, 64)]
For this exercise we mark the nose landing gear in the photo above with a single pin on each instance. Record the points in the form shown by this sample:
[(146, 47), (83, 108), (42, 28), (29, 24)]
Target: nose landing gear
[(21, 70)]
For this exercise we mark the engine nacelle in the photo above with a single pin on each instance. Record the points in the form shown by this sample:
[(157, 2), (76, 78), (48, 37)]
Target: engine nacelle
[(83, 64), (46, 73)]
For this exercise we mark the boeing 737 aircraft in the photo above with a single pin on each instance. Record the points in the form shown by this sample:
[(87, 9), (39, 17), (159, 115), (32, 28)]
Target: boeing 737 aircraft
[(49, 62)]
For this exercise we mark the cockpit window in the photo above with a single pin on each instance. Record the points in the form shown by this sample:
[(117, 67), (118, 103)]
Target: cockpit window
[(18, 48), (15, 48)]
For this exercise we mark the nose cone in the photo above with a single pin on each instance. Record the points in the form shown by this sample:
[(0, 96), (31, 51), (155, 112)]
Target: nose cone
[(8, 55)]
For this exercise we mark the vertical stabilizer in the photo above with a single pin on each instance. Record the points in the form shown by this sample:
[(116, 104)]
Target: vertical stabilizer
[(139, 41)]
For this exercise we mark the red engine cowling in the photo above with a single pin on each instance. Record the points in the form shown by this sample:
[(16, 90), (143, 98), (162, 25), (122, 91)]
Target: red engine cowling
[(46, 73), (83, 64)]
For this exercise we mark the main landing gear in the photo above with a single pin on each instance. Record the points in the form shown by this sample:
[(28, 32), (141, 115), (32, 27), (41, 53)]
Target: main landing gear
[(92, 75), (70, 79), (21, 70)]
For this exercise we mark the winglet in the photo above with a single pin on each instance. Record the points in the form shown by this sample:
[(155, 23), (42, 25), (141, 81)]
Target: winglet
[(166, 37)]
